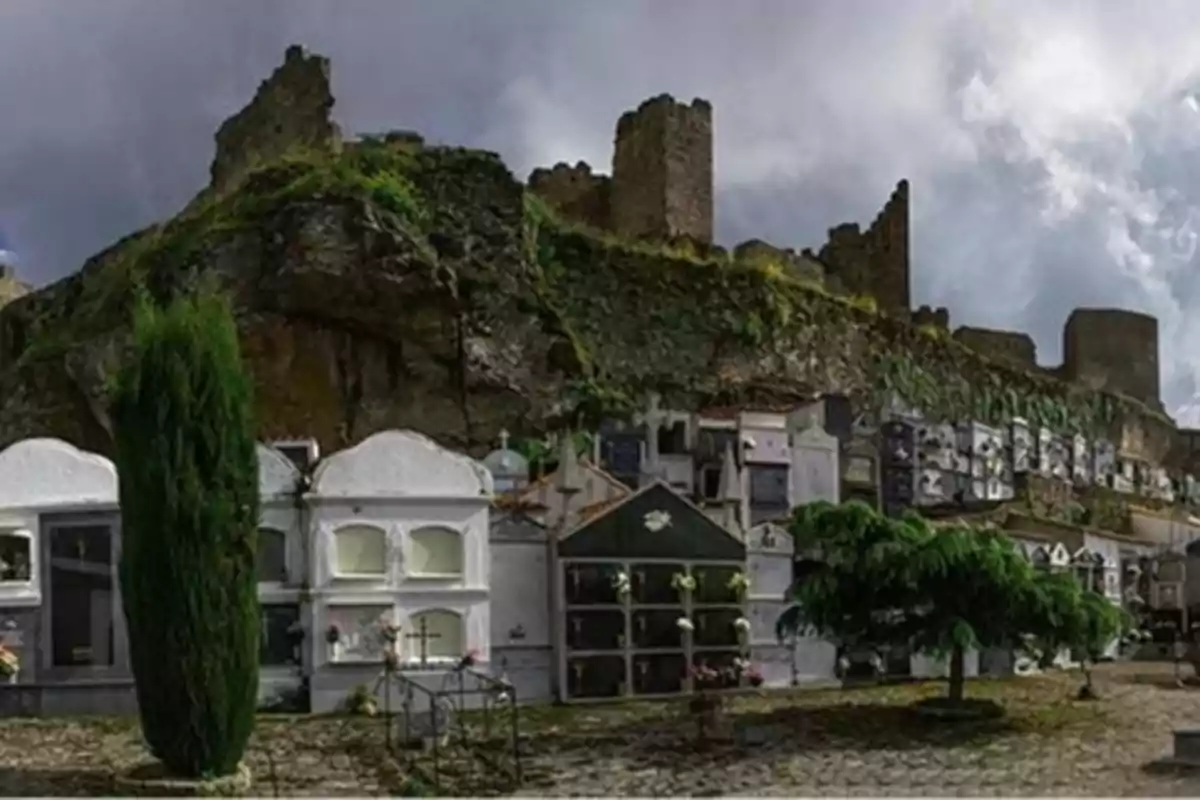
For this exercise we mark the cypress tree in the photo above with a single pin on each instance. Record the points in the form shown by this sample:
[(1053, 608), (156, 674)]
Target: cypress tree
[(185, 447)]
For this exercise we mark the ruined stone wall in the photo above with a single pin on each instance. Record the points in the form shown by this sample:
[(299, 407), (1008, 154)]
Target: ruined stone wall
[(575, 192), (1015, 348), (1112, 349), (874, 262), (788, 261), (934, 317), (662, 185), (290, 109)]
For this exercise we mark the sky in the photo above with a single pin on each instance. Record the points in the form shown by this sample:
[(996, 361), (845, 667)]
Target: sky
[(1053, 146)]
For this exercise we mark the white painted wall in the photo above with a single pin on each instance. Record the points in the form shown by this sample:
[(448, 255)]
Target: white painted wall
[(400, 482), (278, 484), (44, 476)]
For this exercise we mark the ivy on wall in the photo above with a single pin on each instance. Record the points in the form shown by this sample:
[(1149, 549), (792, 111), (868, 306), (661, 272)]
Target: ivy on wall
[(1061, 408)]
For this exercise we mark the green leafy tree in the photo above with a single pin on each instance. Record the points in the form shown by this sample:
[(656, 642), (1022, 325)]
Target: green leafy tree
[(185, 446), (855, 583), (974, 589), (872, 581), (1063, 615)]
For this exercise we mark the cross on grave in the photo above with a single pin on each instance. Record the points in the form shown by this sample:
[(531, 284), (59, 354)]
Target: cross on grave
[(503, 439), (423, 635), (654, 413)]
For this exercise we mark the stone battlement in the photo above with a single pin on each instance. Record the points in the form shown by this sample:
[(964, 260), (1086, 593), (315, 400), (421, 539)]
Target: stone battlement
[(661, 189), (576, 192), (662, 176)]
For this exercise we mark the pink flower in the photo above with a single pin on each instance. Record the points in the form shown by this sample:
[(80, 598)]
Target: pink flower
[(468, 660)]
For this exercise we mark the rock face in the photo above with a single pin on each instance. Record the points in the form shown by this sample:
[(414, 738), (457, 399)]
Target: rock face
[(383, 283)]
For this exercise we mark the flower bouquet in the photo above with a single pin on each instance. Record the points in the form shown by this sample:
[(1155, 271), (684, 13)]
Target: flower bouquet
[(682, 582), (747, 671), (621, 585), (10, 664), (468, 660), (739, 583)]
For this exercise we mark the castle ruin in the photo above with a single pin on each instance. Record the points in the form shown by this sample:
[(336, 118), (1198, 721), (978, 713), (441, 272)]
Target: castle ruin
[(662, 189)]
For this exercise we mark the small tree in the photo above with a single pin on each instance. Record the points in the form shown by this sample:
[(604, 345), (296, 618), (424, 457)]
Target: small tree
[(974, 585), (189, 503), (1063, 615), (853, 579), (874, 580)]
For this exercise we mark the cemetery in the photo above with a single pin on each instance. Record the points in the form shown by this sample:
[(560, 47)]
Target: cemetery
[(775, 531)]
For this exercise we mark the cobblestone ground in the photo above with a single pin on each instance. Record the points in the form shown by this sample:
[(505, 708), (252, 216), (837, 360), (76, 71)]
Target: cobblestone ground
[(809, 743), (1077, 749)]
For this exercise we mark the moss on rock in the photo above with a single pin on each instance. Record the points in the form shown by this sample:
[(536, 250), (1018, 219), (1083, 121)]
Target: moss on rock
[(398, 284)]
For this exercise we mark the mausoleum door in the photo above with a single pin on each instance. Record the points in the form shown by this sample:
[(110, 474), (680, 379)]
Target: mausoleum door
[(83, 633)]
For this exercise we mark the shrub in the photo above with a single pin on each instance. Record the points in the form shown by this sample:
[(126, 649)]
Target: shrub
[(189, 502)]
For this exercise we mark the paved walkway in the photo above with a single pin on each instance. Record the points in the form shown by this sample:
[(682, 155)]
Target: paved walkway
[(802, 756), (808, 743)]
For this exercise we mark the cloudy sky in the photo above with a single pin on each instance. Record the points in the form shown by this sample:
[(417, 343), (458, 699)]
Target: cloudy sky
[(1053, 145)]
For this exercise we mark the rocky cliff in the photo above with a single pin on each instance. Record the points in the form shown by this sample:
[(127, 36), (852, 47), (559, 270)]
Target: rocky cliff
[(384, 283)]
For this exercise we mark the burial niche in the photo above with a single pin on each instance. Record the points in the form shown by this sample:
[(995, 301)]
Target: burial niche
[(437, 552), (360, 551), (16, 556)]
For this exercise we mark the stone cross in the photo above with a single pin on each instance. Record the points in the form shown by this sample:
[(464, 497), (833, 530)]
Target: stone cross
[(424, 636), (654, 413), (503, 439)]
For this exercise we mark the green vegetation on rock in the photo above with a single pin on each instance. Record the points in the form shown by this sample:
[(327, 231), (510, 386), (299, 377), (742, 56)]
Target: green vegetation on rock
[(189, 502), (439, 250)]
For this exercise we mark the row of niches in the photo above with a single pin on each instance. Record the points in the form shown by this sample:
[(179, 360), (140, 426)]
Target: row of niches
[(604, 630), (617, 675), (976, 461), (358, 552), (621, 583)]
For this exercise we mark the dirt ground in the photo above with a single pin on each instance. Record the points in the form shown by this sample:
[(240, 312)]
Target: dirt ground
[(865, 741)]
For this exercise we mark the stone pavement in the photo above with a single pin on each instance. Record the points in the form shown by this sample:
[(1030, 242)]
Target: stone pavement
[(1108, 758)]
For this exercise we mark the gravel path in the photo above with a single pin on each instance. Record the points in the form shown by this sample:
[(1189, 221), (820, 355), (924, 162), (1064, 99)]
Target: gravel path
[(831, 743), (1109, 757)]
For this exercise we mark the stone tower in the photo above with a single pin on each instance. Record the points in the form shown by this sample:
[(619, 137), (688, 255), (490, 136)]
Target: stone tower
[(662, 183)]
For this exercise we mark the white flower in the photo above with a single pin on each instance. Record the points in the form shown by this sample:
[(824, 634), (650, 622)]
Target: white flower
[(655, 521), (682, 582), (685, 624), (621, 582), (843, 664), (876, 662), (741, 664), (742, 624)]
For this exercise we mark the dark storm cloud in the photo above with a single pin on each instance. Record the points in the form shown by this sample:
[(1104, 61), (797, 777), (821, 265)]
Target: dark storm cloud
[(1054, 150)]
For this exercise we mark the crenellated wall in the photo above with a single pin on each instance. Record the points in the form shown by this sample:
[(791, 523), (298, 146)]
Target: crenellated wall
[(662, 176), (575, 192), (796, 265), (874, 262), (1011, 346)]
